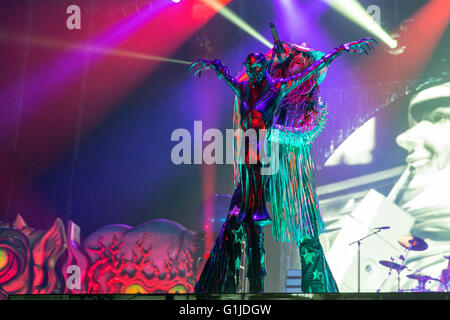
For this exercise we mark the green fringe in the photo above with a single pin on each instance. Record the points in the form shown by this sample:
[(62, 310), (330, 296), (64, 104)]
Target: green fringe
[(292, 191), (295, 206)]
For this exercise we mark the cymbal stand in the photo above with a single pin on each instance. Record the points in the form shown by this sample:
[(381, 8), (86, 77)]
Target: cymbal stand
[(385, 279), (445, 276), (402, 267)]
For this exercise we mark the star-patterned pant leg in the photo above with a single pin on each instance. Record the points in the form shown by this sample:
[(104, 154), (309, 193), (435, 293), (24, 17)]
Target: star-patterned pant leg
[(316, 274), (221, 271)]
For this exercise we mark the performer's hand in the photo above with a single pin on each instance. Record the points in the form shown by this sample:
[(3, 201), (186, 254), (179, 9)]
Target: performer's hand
[(202, 65), (280, 55), (363, 45), (278, 46)]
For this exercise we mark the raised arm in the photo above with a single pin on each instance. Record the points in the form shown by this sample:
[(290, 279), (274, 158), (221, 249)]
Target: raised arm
[(221, 71), (290, 83)]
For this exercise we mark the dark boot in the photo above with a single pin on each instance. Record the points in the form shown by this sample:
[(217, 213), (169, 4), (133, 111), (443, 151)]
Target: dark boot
[(316, 274), (256, 269), (256, 285)]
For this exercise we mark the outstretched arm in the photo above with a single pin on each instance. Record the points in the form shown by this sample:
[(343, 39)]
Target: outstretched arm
[(221, 71), (290, 83)]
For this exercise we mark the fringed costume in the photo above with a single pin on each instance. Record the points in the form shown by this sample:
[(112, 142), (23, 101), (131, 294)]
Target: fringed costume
[(296, 215), (277, 115)]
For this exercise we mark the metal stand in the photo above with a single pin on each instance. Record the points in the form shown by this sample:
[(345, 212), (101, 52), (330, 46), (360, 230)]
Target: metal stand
[(402, 267), (399, 269), (398, 280), (359, 256), (385, 279), (243, 281)]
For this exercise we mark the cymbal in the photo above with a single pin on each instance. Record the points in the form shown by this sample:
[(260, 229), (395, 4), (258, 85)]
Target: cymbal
[(421, 277), (392, 265), (412, 243)]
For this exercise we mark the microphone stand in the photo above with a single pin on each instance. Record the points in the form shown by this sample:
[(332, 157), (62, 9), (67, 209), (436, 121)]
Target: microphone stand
[(359, 256)]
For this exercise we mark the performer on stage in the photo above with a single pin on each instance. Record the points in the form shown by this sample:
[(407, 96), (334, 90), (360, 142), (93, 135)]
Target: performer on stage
[(279, 94)]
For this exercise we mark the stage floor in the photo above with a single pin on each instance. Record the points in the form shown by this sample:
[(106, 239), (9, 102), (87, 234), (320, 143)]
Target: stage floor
[(247, 296)]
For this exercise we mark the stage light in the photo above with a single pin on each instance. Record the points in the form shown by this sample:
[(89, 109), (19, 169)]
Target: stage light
[(131, 54), (176, 1), (353, 10), (418, 38), (401, 47), (238, 21), (47, 42)]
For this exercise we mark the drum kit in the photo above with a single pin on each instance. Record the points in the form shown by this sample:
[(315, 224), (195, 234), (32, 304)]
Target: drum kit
[(413, 243)]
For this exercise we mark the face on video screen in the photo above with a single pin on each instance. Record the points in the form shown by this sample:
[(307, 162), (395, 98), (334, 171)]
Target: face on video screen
[(428, 140)]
